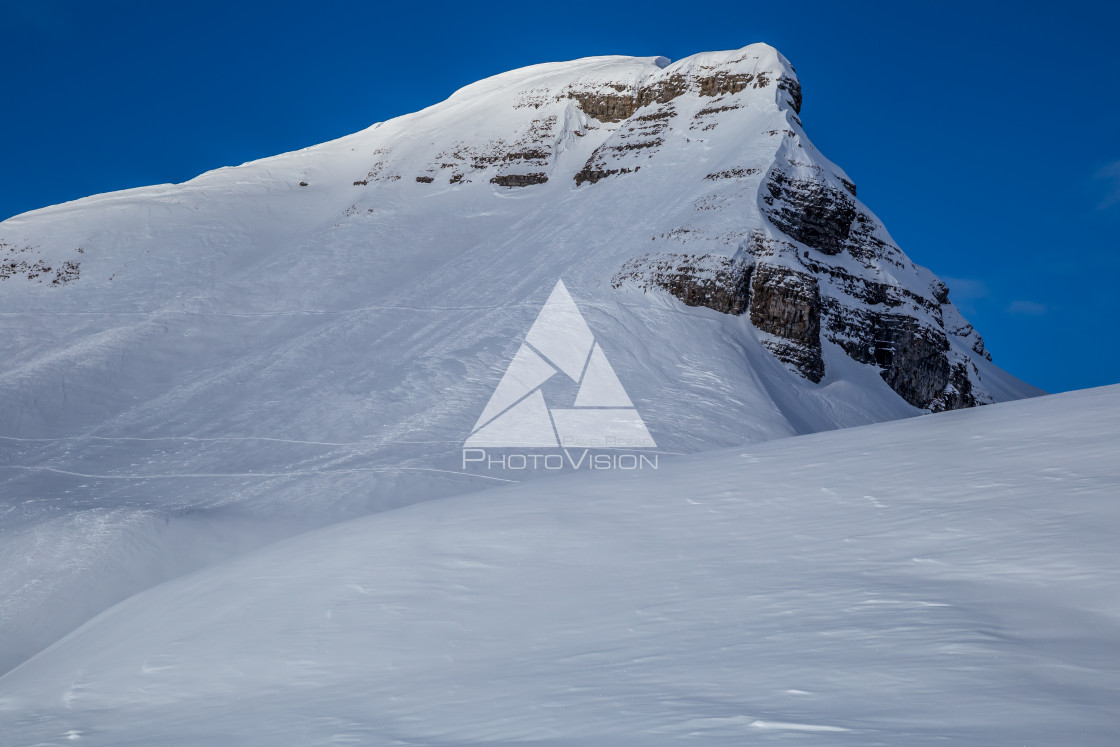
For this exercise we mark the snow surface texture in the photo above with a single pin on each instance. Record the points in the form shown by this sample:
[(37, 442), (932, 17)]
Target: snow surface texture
[(241, 357), (948, 579)]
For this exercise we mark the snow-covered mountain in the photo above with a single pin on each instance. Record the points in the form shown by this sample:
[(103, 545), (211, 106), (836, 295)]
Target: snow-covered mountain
[(193, 370)]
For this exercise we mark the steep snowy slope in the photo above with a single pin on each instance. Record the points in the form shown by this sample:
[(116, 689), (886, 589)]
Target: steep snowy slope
[(192, 370), (937, 580)]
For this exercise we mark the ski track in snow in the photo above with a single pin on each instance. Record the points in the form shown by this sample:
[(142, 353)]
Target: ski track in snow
[(288, 473)]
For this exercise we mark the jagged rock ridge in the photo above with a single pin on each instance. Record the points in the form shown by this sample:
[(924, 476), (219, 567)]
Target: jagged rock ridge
[(813, 268)]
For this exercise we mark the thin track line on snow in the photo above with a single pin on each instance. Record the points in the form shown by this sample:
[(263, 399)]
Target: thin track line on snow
[(248, 474), (329, 312), (203, 439)]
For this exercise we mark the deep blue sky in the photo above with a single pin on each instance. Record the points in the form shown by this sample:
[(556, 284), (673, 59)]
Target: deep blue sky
[(986, 136)]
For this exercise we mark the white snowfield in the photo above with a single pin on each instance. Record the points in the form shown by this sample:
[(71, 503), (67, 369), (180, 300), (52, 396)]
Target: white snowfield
[(950, 579)]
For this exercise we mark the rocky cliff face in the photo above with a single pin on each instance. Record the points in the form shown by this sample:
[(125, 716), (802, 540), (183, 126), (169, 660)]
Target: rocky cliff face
[(818, 267), (786, 304), (719, 283), (796, 300)]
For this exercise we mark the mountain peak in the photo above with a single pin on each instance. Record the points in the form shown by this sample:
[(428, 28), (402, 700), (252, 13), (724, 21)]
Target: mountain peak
[(691, 180), (313, 336)]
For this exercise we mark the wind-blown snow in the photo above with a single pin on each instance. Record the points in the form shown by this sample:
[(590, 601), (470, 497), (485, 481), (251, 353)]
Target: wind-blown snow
[(941, 579)]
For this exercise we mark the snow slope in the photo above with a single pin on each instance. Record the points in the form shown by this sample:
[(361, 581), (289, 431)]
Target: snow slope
[(241, 358), (948, 578)]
